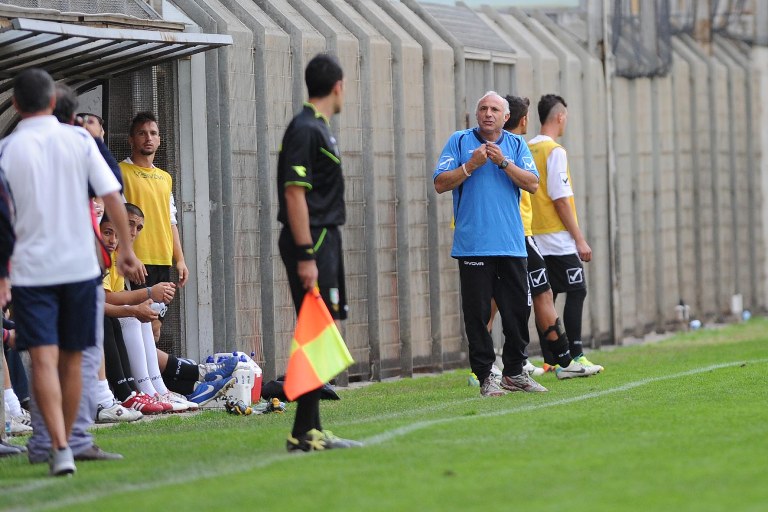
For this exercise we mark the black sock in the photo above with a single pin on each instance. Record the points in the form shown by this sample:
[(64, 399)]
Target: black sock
[(307, 413), (561, 351), (176, 369), (572, 313), (113, 362)]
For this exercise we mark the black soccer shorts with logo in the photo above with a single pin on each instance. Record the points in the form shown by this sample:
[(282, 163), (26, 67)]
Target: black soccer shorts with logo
[(537, 269), (566, 273)]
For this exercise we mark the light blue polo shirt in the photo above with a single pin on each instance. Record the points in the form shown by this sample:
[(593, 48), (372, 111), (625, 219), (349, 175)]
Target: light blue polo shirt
[(486, 207)]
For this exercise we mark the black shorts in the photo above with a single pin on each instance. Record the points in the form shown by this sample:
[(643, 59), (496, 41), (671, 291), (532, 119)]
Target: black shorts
[(566, 273), (155, 274), (330, 269), (537, 269)]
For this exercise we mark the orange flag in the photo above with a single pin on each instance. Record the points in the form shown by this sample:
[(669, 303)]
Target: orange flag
[(318, 352)]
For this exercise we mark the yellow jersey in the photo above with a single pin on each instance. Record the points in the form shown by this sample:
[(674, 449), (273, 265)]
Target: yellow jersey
[(150, 190)]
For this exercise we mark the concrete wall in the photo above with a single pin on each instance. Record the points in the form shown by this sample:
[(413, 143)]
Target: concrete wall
[(690, 221), (685, 182)]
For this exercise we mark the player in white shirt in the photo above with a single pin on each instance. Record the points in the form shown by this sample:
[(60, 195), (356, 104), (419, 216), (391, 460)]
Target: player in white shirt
[(555, 225), (55, 275)]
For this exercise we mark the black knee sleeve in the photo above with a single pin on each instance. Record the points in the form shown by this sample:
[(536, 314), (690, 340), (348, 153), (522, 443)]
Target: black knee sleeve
[(558, 348)]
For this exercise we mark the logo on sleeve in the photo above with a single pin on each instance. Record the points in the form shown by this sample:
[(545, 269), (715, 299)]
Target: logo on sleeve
[(300, 170), (528, 163), (575, 275), (564, 178), (445, 163)]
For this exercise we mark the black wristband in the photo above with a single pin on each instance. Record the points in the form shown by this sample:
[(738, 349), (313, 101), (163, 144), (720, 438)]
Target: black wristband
[(305, 252)]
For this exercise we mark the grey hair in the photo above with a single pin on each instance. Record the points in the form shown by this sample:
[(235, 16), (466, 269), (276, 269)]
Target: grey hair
[(493, 93)]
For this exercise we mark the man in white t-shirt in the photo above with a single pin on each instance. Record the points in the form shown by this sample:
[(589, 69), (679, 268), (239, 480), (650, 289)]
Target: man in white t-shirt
[(555, 225), (55, 275)]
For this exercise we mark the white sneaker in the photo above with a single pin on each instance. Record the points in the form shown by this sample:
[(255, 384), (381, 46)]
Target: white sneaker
[(495, 374), (116, 413), (490, 387), (522, 382), (18, 428), (532, 369), (178, 405), (172, 397), (24, 418), (576, 370)]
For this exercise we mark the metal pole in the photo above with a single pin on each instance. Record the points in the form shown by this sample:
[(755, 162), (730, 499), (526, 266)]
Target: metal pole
[(617, 330)]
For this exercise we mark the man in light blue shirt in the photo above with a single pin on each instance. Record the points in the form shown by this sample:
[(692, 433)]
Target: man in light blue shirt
[(486, 167)]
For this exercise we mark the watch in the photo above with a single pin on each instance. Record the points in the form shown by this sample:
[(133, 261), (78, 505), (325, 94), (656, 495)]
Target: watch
[(504, 164)]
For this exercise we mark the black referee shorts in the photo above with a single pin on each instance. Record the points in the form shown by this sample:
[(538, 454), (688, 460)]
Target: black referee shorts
[(330, 268)]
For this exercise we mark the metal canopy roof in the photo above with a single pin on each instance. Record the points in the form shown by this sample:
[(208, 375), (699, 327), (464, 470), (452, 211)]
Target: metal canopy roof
[(81, 54)]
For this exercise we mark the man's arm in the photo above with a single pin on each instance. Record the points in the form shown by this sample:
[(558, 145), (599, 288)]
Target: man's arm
[(7, 240), (449, 180), (526, 180), (178, 257), (298, 220), (142, 312), (161, 292), (564, 211)]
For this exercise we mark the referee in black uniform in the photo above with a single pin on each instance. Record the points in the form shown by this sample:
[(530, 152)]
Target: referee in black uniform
[(311, 194)]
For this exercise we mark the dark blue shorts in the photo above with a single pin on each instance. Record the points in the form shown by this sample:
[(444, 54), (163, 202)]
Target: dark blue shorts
[(63, 315)]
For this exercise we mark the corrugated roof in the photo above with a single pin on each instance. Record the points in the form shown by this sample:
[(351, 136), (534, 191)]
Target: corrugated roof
[(76, 52), (467, 27)]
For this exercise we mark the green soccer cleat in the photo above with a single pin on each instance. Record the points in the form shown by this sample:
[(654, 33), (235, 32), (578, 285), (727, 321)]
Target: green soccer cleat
[(582, 359)]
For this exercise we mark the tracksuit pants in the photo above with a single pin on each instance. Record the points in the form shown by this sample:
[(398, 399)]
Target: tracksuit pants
[(504, 279)]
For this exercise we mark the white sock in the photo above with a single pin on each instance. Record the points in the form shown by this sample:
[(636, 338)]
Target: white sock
[(134, 345), (11, 401), (104, 396), (153, 366)]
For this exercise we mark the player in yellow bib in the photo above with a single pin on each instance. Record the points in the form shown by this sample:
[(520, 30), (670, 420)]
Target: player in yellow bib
[(556, 228), (552, 336)]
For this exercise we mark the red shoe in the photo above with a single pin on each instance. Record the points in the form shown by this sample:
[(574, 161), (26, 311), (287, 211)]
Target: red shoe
[(143, 403), (549, 367)]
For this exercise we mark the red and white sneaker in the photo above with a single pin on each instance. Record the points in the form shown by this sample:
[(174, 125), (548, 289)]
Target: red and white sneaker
[(167, 406), (142, 403)]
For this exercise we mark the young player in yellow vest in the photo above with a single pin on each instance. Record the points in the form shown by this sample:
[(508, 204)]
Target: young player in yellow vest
[(552, 336), (556, 229), (151, 189)]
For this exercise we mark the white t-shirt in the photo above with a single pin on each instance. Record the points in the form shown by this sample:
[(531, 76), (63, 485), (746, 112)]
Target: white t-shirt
[(558, 186), (49, 166)]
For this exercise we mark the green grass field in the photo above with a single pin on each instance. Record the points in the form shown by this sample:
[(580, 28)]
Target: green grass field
[(677, 425)]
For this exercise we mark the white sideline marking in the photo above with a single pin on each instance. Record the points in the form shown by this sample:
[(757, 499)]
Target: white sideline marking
[(412, 427), (231, 469)]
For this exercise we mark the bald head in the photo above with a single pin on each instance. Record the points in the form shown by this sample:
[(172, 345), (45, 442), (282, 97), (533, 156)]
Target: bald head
[(493, 94)]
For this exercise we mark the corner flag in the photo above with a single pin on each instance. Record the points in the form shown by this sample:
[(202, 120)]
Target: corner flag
[(318, 352)]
